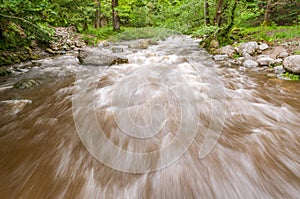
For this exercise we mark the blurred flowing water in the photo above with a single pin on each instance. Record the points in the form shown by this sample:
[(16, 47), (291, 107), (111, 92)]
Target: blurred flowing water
[(239, 129)]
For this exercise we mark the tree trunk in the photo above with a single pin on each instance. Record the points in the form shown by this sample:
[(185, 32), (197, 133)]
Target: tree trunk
[(206, 13), (217, 19), (98, 15), (268, 12), (115, 16)]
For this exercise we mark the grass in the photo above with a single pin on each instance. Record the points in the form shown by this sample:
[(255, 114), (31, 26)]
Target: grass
[(270, 34), (291, 76)]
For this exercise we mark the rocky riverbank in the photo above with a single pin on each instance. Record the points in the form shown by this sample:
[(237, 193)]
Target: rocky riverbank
[(65, 40), (280, 60)]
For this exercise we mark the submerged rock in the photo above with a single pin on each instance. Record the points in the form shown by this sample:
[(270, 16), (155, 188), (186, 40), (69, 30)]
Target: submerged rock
[(139, 44), (4, 72), (292, 63), (26, 83), (96, 57)]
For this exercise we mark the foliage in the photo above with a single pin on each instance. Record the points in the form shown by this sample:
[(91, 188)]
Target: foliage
[(271, 33), (143, 33), (291, 76), (24, 20)]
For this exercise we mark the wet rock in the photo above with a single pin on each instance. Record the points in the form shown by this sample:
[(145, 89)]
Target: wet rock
[(220, 57), (278, 61), (104, 44), (79, 44), (247, 48), (271, 75), (96, 57), (4, 72), (26, 83), (250, 63), (226, 50), (292, 63), (117, 50), (265, 60), (279, 69), (49, 50), (152, 42), (214, 44), (139, 44), (240, 60)]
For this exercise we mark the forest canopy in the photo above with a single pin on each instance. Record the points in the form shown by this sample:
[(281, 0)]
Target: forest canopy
[(24, 20)]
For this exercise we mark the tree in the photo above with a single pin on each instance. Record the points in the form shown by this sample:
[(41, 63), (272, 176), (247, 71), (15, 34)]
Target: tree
[(98, 14), (206, 13), (115, 15)]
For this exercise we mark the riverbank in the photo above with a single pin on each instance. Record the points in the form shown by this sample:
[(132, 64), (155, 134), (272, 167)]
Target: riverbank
[(265, 56)]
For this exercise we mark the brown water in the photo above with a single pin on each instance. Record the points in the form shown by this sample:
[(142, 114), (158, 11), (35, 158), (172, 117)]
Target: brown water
[(182, 127)]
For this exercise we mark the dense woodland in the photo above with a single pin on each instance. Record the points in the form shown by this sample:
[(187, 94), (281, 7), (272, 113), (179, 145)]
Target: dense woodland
[(22, 21)]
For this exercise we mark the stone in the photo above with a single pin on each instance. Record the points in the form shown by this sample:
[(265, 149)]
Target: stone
[(271, 75), (104, 44), (275, 52), (247, 48), (117, 50), (4, 72), (220, 57), (278, 61), (265, 60), (214, 44), (96, 57), (292, 63), (279, 69), (226, 50), (26, 83), (139, 44), (263, 47), (250, 63), (282, 55), (49, 50)]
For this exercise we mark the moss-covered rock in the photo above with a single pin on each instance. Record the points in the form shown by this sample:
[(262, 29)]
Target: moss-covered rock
[(26, 83), (4, 72)]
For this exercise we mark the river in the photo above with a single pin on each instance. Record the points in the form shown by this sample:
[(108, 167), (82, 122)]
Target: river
[(170, 124)]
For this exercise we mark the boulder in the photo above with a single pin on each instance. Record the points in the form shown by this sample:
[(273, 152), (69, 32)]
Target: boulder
[(282, 55), (247, 48), (96, 57), (276, 52), (226, 50), (250, 63), (292, 63), (265, 60), (139, 44)]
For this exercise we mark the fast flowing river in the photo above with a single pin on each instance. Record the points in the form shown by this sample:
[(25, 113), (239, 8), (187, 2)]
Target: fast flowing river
[(169, 124)]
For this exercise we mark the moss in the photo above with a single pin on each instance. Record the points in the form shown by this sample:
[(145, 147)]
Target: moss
[(4, 72), (296, 52), (291, 76)]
